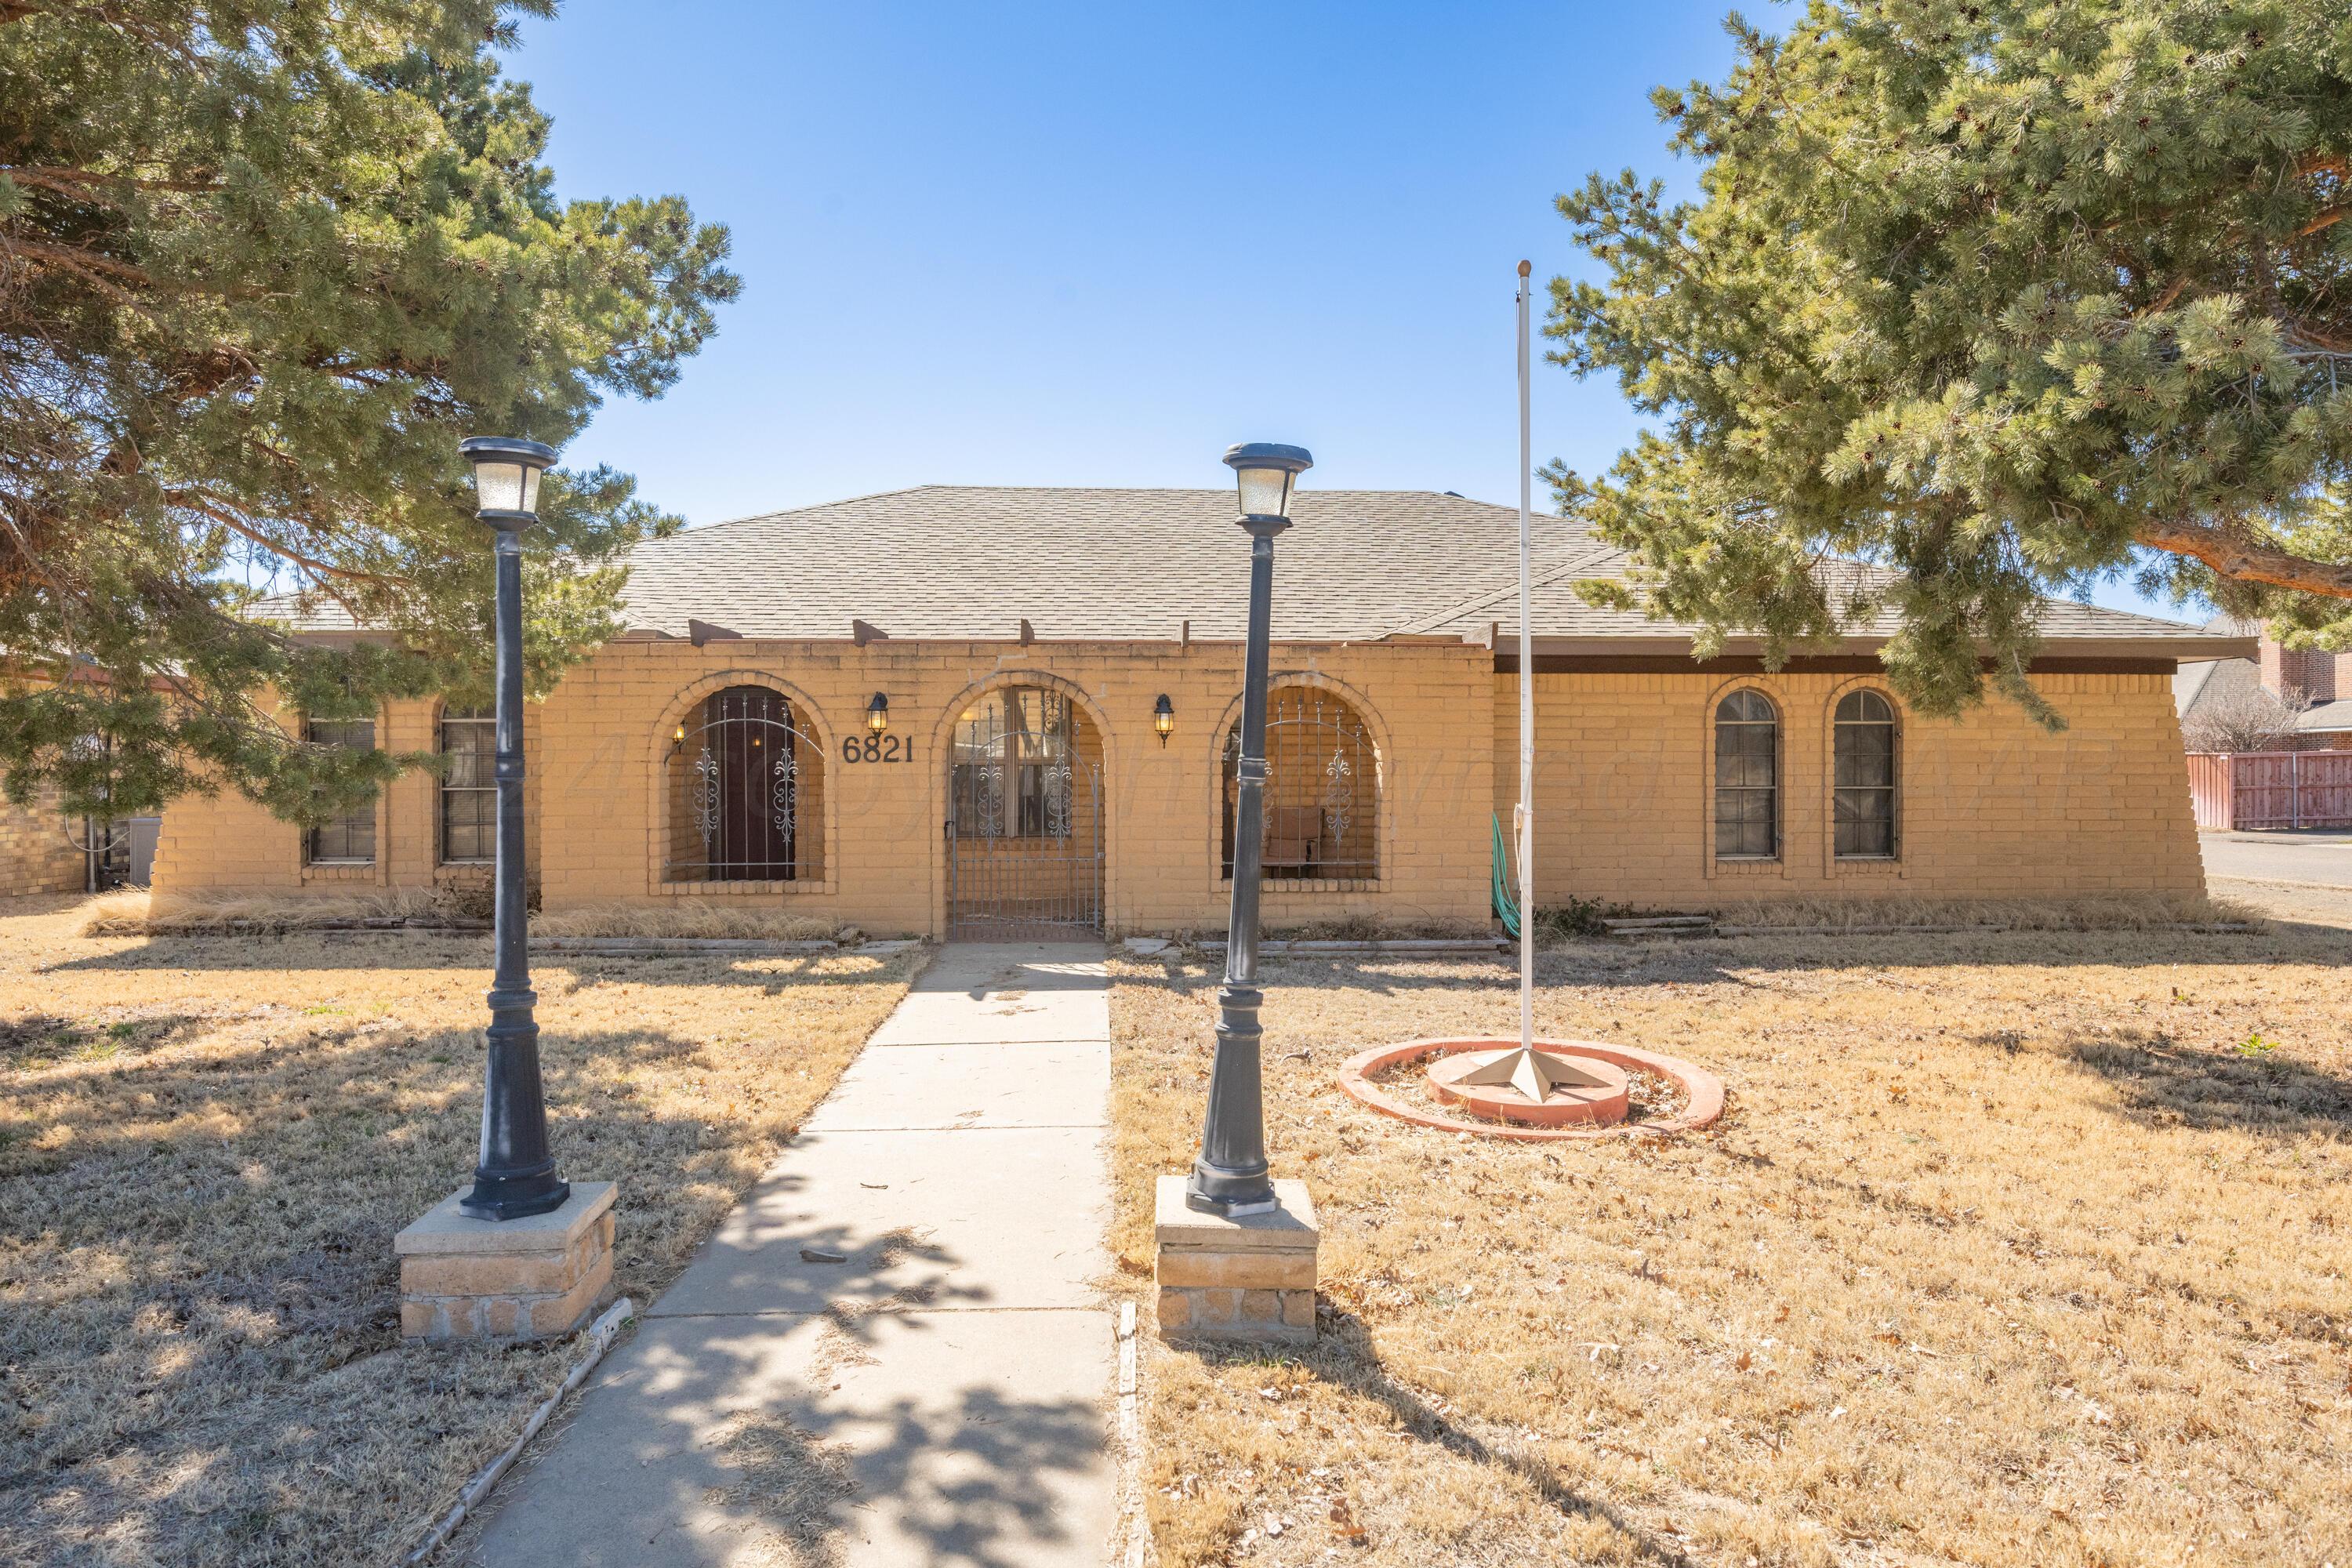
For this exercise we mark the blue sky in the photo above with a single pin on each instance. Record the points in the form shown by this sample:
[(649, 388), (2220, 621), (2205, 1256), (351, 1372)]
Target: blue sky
[(1094, 244)]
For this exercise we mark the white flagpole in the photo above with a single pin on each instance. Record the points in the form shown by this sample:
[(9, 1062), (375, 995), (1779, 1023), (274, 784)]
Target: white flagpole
[(1526, 814)]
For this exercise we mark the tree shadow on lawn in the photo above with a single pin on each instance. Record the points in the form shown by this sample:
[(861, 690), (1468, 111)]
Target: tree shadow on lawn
[(1343, 1357), (32, 1041), (2163, 1084), (199, 1346)]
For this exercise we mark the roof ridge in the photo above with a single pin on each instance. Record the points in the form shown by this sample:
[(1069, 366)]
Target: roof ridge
[(787, 512), (776, 513)]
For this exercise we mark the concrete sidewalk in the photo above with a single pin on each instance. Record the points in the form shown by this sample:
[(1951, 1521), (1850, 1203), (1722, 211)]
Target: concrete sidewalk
[(941, 1396)]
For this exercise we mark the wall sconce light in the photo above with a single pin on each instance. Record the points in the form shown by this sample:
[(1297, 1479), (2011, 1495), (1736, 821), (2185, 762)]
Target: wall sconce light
[(878, 713), (677, 738), (1163, 719)]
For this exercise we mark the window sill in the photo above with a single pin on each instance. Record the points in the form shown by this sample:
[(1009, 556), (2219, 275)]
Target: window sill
[(1865, 865), (804, 886), (1270, 886)]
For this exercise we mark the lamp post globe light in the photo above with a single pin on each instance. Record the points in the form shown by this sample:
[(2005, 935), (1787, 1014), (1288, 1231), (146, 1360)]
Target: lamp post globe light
[(1230, 1177), (515, 1175)]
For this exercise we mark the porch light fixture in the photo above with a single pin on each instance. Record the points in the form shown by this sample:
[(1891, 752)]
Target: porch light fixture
[(877, 712), (677, 738), (515, 1175), (1231, 1177), (1266, 470), (1163, 720)]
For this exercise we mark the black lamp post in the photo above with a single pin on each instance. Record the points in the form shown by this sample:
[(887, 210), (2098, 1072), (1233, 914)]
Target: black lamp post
[(1230, 1176), (515, 1176)]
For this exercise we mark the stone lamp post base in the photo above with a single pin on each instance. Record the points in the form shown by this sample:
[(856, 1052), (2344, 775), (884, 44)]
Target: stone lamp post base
[(1250, 1278), (533, 1278)]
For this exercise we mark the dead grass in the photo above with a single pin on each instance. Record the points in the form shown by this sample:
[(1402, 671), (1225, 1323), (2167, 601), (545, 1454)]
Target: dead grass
[(206, 1147), (2014, 1248), (133, 911), (2153, 912), (689, 918)]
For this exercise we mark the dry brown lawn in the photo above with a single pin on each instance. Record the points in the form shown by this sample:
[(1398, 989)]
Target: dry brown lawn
[(206, 1147), (2024, 1247)]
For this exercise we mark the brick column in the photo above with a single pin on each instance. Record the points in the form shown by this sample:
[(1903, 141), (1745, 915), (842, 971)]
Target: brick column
[(1250, 1280), (527, 1278)]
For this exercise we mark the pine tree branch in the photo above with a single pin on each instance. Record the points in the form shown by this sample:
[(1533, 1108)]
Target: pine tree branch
[(2235, 552), (79, 182), (2324, 220), (206, 506)]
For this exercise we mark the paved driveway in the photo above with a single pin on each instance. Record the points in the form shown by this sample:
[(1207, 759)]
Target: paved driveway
[(2314, 856)]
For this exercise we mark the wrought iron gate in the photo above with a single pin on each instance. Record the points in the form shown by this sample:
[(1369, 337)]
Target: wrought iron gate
[(1024, 827)]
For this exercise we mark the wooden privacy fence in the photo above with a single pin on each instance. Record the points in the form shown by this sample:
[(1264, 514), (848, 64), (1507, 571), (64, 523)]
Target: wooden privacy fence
[(2272, 789)]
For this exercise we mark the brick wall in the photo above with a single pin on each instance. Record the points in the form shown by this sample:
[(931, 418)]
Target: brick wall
[(35, 855), (1990, 804), (607, 803), (224, 842), (2318, 676)]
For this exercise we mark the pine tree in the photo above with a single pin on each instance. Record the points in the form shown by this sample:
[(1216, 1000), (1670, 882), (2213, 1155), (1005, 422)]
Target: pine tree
[(262, 264), (2009, 297)]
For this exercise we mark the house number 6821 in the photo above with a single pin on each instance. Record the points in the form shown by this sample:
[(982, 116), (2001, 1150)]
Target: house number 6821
[(875, 749)]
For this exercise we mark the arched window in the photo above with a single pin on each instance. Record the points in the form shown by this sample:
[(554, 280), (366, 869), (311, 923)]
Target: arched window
[(745, 782), (1863, 777), (470, 787), (1322, 789), (1747, 778), (1011, 775)]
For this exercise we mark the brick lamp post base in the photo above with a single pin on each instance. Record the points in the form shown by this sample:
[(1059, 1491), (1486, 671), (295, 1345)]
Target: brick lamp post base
[(1250, 1280), (531, 1279)]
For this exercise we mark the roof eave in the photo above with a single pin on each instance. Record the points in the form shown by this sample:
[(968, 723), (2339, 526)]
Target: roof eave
[(2182, 649)]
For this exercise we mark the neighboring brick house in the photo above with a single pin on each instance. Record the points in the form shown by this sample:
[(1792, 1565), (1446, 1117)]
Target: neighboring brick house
[(2318, 683), (1020, 643)]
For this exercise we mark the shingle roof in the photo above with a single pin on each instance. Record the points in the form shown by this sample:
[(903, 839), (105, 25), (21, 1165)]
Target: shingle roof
[(303, 612), (967, 562), (962, 561)]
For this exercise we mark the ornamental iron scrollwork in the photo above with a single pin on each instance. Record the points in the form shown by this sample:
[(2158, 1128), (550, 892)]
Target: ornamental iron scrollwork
[(739, 768), (1322, 790)]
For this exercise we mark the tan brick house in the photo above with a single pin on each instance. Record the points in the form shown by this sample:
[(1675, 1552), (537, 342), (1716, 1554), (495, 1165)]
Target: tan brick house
[(1015, 646)]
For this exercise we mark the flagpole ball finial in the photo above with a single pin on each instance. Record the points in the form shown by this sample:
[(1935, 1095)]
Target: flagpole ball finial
[(1525, 268)]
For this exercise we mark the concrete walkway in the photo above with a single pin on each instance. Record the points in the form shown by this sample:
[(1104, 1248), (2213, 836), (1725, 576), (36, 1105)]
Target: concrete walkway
[(941, 1396)]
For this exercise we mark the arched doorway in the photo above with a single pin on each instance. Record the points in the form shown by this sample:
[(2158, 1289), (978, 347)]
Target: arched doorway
[(1024, 824)]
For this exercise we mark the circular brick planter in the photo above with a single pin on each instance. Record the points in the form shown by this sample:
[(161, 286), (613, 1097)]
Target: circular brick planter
[(1703, 1089)]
